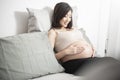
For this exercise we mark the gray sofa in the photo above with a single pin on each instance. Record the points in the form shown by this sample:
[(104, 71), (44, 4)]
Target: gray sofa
[(29, 56)]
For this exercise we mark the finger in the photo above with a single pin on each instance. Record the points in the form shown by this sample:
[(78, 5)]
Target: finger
[(81, 49), (75, 50)]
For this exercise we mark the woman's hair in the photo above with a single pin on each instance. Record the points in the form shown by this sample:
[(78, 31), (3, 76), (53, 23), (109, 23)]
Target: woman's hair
[(60, 10)]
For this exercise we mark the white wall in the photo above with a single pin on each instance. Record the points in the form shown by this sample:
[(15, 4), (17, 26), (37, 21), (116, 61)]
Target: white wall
[(13, 17), (114, 30), (103, 26), (10, 12)]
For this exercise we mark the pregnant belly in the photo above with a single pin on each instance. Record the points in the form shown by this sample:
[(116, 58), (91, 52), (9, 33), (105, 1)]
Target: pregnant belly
[(84, 54)]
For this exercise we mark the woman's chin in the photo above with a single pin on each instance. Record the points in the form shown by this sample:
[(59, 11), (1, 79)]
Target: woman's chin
[(65, 26)]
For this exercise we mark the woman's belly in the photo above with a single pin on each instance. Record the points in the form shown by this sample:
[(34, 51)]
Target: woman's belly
[(87, 52)]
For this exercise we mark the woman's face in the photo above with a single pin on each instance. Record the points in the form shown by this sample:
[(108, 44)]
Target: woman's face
[(66, 19)]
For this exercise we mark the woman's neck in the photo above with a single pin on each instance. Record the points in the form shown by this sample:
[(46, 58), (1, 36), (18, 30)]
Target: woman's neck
[(63, 29)]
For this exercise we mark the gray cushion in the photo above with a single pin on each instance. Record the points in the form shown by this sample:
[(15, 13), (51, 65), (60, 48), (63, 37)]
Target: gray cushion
[(27, 56), (39, 19)]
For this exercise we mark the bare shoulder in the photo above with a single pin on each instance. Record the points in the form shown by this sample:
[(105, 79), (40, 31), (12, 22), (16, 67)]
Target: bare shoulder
[(51, 32), (75, 28)]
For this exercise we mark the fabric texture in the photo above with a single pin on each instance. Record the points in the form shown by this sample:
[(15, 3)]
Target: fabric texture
[(96, 66), (40, 19), (60, 76), (72, 66), (27, 56), (64, 39)]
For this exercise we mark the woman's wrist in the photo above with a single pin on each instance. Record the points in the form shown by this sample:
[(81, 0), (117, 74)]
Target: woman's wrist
[(65, 52), (61, 54)]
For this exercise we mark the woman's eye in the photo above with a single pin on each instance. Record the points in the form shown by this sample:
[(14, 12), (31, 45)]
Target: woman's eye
[(66, 16)]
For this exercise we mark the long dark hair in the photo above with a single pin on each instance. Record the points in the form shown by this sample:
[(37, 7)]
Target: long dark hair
[(60, 10)]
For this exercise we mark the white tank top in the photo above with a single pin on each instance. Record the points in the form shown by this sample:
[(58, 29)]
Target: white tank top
[(65, 38)]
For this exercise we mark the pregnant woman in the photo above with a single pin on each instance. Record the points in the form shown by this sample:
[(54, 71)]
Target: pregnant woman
[(71, 48), (67, 41)]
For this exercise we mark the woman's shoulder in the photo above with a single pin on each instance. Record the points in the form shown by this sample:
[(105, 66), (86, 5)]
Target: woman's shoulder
[(78, 30), (75, 28), (51, 31), (54, 31)]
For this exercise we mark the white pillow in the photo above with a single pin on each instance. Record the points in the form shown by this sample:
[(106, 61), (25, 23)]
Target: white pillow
[(40, 19), (27, 56)]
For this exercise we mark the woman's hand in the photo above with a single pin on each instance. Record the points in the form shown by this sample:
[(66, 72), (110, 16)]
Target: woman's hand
[(70, 50)]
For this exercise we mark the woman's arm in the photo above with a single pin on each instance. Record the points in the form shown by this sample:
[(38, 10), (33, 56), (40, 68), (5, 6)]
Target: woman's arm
[(52, 36)]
